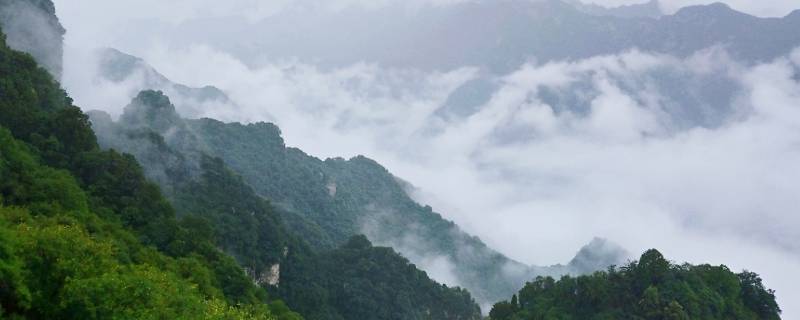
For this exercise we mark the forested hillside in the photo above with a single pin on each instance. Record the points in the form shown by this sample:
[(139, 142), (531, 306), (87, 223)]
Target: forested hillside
[(328, 201), (322, 202), (85, 236), (651, 288), (312, 281)]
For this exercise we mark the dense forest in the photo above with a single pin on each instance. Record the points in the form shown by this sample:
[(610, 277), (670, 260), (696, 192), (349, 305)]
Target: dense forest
[(85, 235), (329, 201), (651, 288)]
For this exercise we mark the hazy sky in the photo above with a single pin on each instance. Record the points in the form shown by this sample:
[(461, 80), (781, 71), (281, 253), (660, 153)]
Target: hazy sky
[(532, 182)]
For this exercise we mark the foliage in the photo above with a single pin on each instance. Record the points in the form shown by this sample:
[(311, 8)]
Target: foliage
[(84, 234), (52, 267), (327, 202), (206, 191), (396, 288), (651, 288)]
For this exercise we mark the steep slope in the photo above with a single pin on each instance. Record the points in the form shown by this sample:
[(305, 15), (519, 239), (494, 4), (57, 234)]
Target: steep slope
[(62, 261), (395, 296), (329, 201), (652, 288), (249, 228), (80, 227)]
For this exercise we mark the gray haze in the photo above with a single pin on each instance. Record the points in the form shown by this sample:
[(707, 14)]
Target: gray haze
[(119, 70), (690, 149), (498, 36), (32, 27)]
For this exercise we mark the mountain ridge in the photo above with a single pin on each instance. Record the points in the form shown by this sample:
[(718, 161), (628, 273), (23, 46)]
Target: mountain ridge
[(329, 201), (249, 228), (502, 36), (120, 68)]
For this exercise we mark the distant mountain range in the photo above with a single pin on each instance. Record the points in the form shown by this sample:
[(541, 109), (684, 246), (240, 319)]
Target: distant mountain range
[(498, 35), (121, 68), (649, 9)]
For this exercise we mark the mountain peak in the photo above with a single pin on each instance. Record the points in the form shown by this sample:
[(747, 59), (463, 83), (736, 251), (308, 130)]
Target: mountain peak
[(151, 109), (716, 8), (117, 66), (598, 255)]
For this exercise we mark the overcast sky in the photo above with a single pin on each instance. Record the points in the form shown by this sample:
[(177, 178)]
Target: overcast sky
[(533, 183)]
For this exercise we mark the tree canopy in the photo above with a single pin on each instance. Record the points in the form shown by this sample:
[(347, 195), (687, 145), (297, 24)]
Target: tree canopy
[(651, 288), (84, 234)]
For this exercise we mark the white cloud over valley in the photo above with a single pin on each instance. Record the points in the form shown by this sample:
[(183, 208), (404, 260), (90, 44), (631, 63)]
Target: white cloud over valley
[(558, 153)]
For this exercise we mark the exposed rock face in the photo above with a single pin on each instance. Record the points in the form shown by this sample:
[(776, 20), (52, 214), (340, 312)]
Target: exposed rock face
[(331, 189), (271, 277), (32, 26), (274, 276)]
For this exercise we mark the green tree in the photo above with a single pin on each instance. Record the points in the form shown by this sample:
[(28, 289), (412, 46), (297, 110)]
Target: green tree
[(651, 288)]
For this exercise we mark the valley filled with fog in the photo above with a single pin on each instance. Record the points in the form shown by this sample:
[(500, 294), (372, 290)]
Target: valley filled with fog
[(536, 126)]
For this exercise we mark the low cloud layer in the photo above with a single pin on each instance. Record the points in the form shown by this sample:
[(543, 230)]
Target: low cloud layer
[(696, 157), (538, 180)]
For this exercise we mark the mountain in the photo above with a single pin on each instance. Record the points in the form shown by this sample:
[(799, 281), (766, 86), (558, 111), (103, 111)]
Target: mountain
[(328, 201), (496, 35), (234, 220), (323, 202), (202, 186), (120, 68), (86, 235), (651, 288), (83, 234), (32, 26), (341, 198)]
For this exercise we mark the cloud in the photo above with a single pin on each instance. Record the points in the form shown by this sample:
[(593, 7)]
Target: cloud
[(696, 157), (537, 180), (32, 28)]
